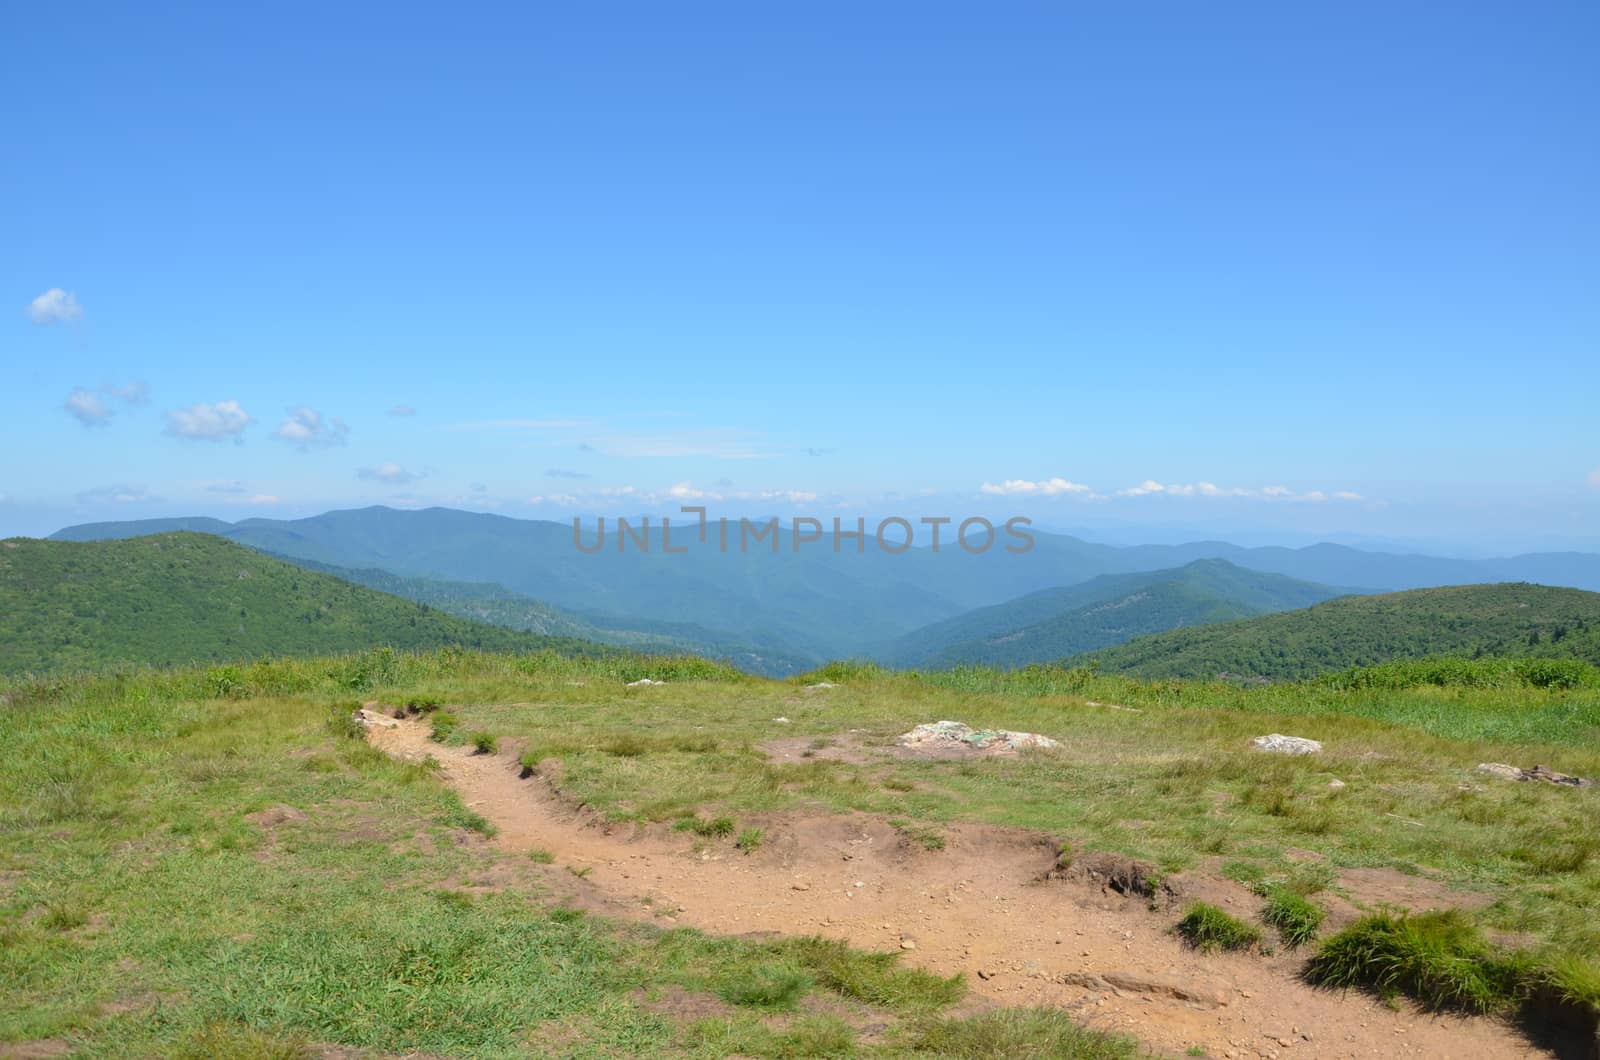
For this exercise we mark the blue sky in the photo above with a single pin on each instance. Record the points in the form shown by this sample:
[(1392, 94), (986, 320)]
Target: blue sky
[(1313, 272)]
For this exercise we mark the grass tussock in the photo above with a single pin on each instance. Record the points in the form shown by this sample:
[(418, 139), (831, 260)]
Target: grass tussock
[(767, 986), (1208, 928), (1439, 959), (874, 978), (1295, 917), (443, 726), (707, 827), (485, 743), (1019, 1034)]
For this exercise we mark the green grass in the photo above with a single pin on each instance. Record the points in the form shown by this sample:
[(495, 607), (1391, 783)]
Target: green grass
[(1295, 917), (922, 836), (750, 840), (484, 743), (767, 987), (1208, 928), (443, 725), (148, 909), (1020, 1034), (123, 800), (708, 827), (1439, 959)]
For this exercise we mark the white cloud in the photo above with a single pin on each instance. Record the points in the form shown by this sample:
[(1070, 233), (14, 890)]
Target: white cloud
[(563, 499), (116, 494), (1146, 487), (88, 407), (402, 410), (684, 491), (391, 473), (306, 429), (1211, 489), (135, 393), (229, 486), (209, 423), (557, 472), (92, 410), (55, 306), (1020, 487)]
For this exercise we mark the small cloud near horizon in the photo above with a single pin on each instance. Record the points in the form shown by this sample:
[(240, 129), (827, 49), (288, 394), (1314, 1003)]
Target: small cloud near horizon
[(306, 429), (119, 493), (391, 473), (1020, 487), (556, 472), (55, 306), (402, 410)]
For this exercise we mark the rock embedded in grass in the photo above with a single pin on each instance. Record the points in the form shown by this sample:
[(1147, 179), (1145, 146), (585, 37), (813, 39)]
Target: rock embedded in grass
[(1539, 773), (1287, 745), (951, 734)]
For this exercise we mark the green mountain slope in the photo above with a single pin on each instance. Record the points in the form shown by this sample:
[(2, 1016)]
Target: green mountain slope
[(499, 606), (186, 597), (1108, 610), (813, 602), (1504, 619)]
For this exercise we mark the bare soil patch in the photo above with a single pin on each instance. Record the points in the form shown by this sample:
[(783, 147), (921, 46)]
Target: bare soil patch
[(981, 906)]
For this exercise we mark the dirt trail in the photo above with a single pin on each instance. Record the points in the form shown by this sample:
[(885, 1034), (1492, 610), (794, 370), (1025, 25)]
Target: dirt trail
[(977, 907)]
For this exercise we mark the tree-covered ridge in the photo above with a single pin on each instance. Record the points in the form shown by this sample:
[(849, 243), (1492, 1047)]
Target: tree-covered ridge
[(1510, 619), (184, 597), (1111, 609)]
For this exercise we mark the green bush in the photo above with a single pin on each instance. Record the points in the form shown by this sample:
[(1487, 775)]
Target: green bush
[(485, 743)]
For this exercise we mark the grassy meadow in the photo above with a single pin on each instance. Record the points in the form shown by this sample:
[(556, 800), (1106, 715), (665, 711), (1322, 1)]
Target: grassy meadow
[(210, 862)]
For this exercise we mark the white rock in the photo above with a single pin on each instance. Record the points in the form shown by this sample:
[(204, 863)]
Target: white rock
[(643, 682), (781, 720), (952, 733), (823, 684), (1287, 745)]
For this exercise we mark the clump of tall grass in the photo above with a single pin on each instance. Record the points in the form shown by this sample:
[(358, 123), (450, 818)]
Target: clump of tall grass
[(1440, 959), (1207, 927), (444, 726), (1295, 917), (1019, 1033)]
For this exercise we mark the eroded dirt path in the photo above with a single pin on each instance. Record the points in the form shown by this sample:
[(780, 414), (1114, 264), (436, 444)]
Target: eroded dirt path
[(977, 907)]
